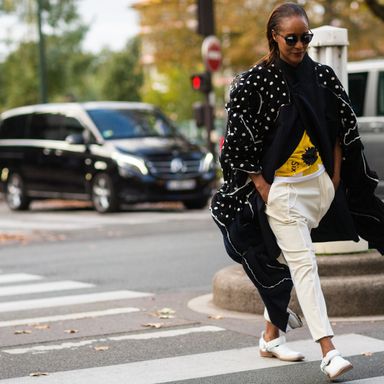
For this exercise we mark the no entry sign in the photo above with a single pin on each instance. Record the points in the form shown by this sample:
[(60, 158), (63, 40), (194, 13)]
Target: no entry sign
[(211, 52)]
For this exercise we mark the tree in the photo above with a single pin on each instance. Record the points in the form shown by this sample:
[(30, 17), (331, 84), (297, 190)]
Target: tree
[(121, 73), (64, 33), (172, 92)]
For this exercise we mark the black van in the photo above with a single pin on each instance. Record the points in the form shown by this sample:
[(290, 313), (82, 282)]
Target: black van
[(107, 152)]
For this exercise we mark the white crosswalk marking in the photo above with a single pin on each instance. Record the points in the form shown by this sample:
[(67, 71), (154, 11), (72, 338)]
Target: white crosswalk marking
[(371, 380), (60, 301), (71, 316), (65, 222), (200, 365), (43, 287), (141, 336), (18, 277)]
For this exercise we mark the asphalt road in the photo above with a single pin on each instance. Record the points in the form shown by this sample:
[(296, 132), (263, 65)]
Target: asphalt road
[(89, 298)]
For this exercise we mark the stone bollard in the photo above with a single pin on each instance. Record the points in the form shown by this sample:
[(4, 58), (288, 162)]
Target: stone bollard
[(353, 285)]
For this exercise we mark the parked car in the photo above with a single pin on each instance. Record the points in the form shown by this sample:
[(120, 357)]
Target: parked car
[(107, 152), (366, 90)]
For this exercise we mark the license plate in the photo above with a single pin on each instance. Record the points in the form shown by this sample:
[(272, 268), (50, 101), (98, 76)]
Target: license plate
[(178, 185)]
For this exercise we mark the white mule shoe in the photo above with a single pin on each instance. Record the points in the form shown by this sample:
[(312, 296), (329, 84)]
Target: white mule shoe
[(333, 365), (278, 348)]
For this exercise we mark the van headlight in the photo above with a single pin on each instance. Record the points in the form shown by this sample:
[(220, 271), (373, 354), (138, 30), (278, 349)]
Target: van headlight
[(129, 164), (206, 163)]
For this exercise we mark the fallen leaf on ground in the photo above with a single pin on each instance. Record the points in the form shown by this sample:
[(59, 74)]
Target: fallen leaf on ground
[(367, 354), (71, 331), (5, 237), (166, 313), (41, 326), (23, 332), (153, 325), (38, 374), (101, 348), (215, 317)]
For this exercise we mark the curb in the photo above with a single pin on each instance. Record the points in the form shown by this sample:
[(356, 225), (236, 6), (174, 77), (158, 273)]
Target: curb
[(353, 285), (204, 304)]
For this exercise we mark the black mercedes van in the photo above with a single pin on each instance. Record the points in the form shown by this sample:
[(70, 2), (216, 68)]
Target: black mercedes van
[(107, 152)]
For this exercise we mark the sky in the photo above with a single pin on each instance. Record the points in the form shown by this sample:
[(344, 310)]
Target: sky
[(111, 24)]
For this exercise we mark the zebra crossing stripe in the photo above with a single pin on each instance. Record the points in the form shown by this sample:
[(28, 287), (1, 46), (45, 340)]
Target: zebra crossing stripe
[(139, 336), (60, 301), (27, 289), (371, 380), (201, 365), (18, 277), (70, 316)]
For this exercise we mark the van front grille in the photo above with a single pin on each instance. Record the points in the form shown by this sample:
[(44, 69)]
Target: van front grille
[(171, 167)]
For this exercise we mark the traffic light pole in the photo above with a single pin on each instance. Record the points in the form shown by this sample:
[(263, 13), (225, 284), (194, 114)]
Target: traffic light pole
[(211, 51), (209, 122)]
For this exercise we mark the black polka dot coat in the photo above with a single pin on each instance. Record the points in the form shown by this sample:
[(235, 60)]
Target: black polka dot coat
[(257, 97)]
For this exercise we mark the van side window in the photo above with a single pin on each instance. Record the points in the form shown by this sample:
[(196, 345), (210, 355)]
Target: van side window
[(53, 126), (70, 126), (380, 95), (14, 127), (357, 83), (45, 126)]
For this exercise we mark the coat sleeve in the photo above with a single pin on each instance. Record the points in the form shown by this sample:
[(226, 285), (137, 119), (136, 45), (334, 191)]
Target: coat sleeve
[(242, 148)]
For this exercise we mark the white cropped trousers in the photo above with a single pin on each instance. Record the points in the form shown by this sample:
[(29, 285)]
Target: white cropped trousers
[(293, 209)]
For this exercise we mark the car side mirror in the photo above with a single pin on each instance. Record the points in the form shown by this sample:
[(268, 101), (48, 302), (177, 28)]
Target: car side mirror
[(75, 138)]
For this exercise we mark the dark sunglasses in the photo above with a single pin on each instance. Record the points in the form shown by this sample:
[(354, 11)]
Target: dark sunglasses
[(292, 40)]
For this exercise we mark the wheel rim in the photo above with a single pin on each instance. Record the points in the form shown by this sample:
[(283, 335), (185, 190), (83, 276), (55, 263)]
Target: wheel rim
[(102, 193), (15, 191)]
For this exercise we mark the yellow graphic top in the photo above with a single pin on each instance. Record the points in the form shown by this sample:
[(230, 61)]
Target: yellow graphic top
[(304, 160)]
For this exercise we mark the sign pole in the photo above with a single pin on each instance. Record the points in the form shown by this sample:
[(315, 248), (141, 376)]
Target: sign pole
[(212, 57)]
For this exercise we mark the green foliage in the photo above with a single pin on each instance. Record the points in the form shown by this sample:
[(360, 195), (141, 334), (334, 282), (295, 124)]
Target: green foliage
[(72, 74), (171, 91), (120, 74), (20, 84)]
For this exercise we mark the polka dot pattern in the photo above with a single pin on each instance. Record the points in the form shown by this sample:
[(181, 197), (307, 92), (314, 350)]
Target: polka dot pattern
[(256, 97)]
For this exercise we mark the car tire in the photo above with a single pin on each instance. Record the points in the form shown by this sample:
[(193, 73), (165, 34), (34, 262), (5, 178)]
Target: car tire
[(104, 195), (15, 193), (196, 203)]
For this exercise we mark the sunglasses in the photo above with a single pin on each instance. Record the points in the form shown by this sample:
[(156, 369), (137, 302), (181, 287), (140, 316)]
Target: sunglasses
[(292, 40)]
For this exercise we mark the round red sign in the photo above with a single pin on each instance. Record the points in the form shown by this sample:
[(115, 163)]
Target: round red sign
[(211, 52)]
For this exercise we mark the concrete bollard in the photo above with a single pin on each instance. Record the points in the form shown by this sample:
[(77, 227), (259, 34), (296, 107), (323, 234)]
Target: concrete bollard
[(353, 285)]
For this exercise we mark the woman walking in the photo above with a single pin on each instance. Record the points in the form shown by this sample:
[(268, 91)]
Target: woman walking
[(291, 138)]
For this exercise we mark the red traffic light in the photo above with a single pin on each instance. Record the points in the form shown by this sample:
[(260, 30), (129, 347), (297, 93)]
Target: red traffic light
[(196, 82), (201, 82)]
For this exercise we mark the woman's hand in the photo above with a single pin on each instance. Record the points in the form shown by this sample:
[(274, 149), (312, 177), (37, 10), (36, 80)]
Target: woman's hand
[(337, 165), (336, 182), (261, 185)]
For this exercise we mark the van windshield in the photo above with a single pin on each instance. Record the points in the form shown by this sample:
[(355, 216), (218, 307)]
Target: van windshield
[(131, 123)]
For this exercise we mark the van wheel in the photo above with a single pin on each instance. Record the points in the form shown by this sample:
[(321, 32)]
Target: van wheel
[(103, 194), (15, 194), (196, 204)]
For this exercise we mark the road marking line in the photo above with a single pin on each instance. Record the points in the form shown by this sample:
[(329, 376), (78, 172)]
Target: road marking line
[(70, 316), (60, 301), (65, 223), (370, 380), (140, 336), (170, 333), (27, 289), (18, 277), (198, 365)]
